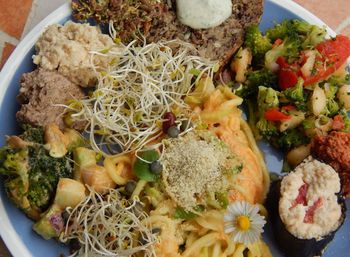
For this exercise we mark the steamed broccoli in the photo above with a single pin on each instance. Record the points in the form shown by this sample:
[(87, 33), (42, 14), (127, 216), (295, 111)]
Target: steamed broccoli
[(33, 134), (310, 35), (296, 36), (290, 49), (290, 139), (257, 43), (286, 29), (331, 88), (313, 34), (266, 128), (332, 107), (296, 93), (263, 77), (267, 98), (31, 174)]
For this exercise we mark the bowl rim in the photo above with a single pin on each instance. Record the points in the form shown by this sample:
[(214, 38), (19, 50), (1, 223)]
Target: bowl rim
[(7, 232)]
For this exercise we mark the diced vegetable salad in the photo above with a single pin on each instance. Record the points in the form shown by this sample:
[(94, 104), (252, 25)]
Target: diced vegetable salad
[(295, 81)]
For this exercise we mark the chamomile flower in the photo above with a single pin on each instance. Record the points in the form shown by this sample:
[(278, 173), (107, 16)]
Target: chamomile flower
[(243, 222)]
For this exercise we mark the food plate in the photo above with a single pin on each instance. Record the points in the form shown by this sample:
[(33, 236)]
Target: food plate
[(15, 228)]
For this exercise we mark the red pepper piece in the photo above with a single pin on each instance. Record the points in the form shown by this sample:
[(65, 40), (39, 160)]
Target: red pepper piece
[(287, 75), (275, 115)]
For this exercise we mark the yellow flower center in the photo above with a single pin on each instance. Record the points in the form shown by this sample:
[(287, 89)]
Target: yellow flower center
[(243, 223)]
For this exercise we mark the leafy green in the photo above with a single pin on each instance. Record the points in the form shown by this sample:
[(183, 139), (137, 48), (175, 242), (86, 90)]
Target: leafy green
[(180, 213), (142, 169)]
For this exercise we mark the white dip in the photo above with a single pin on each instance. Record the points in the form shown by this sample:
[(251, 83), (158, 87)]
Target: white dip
[(323, 185), (203, 14)]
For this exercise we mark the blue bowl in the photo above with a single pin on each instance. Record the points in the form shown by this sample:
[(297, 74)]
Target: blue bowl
[(15, 227)]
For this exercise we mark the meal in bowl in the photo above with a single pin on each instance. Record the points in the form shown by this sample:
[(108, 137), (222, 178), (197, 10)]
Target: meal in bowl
[(148, 152)]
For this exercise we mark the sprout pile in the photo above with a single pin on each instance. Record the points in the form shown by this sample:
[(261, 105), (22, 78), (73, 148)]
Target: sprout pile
[(109, 225), (140, 85)]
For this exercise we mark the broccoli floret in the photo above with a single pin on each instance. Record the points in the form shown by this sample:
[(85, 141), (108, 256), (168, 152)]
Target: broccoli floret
[(33, 134), (296, 35), (257, 43), (309, 35), (266, 128), (263, 77), (267, 98), (296, 93), (331, 90), (290, 139), (287, 28), (332, 108), (31, 176), (314, 34), (290, 49), (44, 173)]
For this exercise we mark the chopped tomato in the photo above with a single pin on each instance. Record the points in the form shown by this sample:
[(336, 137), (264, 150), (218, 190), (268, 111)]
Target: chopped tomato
[(275, 115), (277, 42), (333, 54), (338, 122), (287, 75)]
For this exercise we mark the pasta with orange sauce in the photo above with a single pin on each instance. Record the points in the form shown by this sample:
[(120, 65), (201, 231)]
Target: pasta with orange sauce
[(252, 183), (215, 110)]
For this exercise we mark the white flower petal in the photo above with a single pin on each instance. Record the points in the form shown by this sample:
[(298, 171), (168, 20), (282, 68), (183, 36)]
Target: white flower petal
[(228, 217), (229, 228), (252, 212)]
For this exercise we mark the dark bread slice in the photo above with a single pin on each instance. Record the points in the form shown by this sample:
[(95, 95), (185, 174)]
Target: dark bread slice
[(157, 21), (218, 43)]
